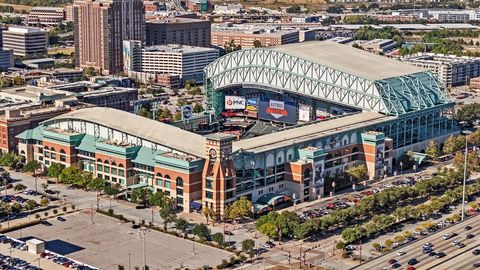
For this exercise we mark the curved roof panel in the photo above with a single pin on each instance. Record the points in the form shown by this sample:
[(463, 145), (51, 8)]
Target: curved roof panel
[(154, 131), (351, 60)]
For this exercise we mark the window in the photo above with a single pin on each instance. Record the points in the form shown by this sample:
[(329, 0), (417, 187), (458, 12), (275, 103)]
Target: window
[(179, 182), (209, 194), (209, 184), (306, 173), (47, 162), (63, 158), (99, 167), (121, 172), (106, 169), (167, 184), (114, 170), (179, 192), (160, 182), (53, 155), (114, 179)]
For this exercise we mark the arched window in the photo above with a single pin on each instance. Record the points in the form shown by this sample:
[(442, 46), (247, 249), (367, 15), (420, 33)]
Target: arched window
[(114, 164), (159, 175), (52, 149), (62, 151), (106, 162), (355, 149), (167, 176), (306, 173), (179, 182), (99, 160), (46, 148), (22, 152), (120, 165)]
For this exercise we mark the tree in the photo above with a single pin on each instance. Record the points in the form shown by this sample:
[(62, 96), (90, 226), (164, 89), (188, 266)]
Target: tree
[(407, 234), (97, 185), (112, 191), (90, 72), (432, 149), (19, 187), (208, 213), (231, 46), (472, 160), (241, 208), (197, 108), (247, 246), (44, 202), (202, 231), (167, 214), (17, 80), (468, 113), (70, 175), (32, 167), (389, 243), (376, 246), (156, 199), (218, 238), (30, 205), (181, 225), (293, 9), (358, 172), (55, 170), (257, 44), (340, 245), (453, 144)]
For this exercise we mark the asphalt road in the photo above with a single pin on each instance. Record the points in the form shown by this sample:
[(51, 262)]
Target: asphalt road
[(456, 258)]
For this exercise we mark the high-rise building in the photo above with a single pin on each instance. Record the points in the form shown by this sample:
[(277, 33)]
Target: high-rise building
[(46, 16), (25, 40), (185, 31), (100, 28)]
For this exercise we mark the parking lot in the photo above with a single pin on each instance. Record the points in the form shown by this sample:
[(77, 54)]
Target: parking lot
[(108, 243)]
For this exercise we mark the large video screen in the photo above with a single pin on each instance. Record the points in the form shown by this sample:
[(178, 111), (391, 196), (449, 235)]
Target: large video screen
[(284, 111)]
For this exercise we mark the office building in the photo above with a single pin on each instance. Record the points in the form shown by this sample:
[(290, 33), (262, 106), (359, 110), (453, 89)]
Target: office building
[(69, 11), (48, 16), (175, 30), (6, 59), (185, 61), (297, 163), (100, 28), (25, 41), (247, 35), (198, 5), (111, 97), (452, 70)]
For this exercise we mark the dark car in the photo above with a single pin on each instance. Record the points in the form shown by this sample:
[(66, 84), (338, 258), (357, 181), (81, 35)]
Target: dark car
[(46, 223), (228, 233), (432, 253), (476, 252), (61, 219), (412, 261), (476, 265), (460, 245), (441, 254), (396, 265), (48, 191), (467, 228), (470, 236)]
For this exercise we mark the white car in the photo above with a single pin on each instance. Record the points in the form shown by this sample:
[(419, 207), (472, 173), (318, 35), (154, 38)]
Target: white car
[(455, 242), (401, 253)]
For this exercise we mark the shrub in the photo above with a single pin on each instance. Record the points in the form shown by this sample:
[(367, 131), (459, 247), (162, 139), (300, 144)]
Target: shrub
[(73, 206), (64, 209), (45, 214), (37, 216), (120, 267), (110, 212), (55, 211)]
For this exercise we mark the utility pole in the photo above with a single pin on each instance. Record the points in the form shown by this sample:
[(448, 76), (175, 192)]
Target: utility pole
[(91, 212), (360, 251)]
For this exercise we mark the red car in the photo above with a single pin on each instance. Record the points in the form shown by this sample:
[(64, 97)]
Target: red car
[(331, 206)]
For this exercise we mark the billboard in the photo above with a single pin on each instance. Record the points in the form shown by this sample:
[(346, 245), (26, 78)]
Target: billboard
[(304, 113), (187, 112), (321, 114), (252, 104), (278, 110), (127, 55), (380, 156), (234, 103)]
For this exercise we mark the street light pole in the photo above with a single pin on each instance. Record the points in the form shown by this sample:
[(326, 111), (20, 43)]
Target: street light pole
[(464, 173), (144, 231)]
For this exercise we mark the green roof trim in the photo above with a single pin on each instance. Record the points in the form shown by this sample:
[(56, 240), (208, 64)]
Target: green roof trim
[(87, 144), (32, 134), (146, 156)]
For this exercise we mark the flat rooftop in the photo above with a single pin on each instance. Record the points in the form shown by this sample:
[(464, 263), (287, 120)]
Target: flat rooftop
[(176, 48), (24, 30), (310, 132), (347, 59), (174, 20)]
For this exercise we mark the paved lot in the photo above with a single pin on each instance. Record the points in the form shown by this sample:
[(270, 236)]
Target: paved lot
[(455, 258), (108, 243), (29, 257)]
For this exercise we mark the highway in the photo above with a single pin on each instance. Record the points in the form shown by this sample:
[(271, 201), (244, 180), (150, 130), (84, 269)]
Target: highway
[(456, 258)]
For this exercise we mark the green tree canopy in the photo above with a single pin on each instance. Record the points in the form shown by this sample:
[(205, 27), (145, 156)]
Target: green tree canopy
[(202, 231)]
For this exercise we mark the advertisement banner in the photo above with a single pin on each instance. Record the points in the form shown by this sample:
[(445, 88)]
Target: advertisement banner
[(380, 156), (252, 104), (234, 103), (304, 113), (277, 110), (127, 55), (187, 111), (321, 114)]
